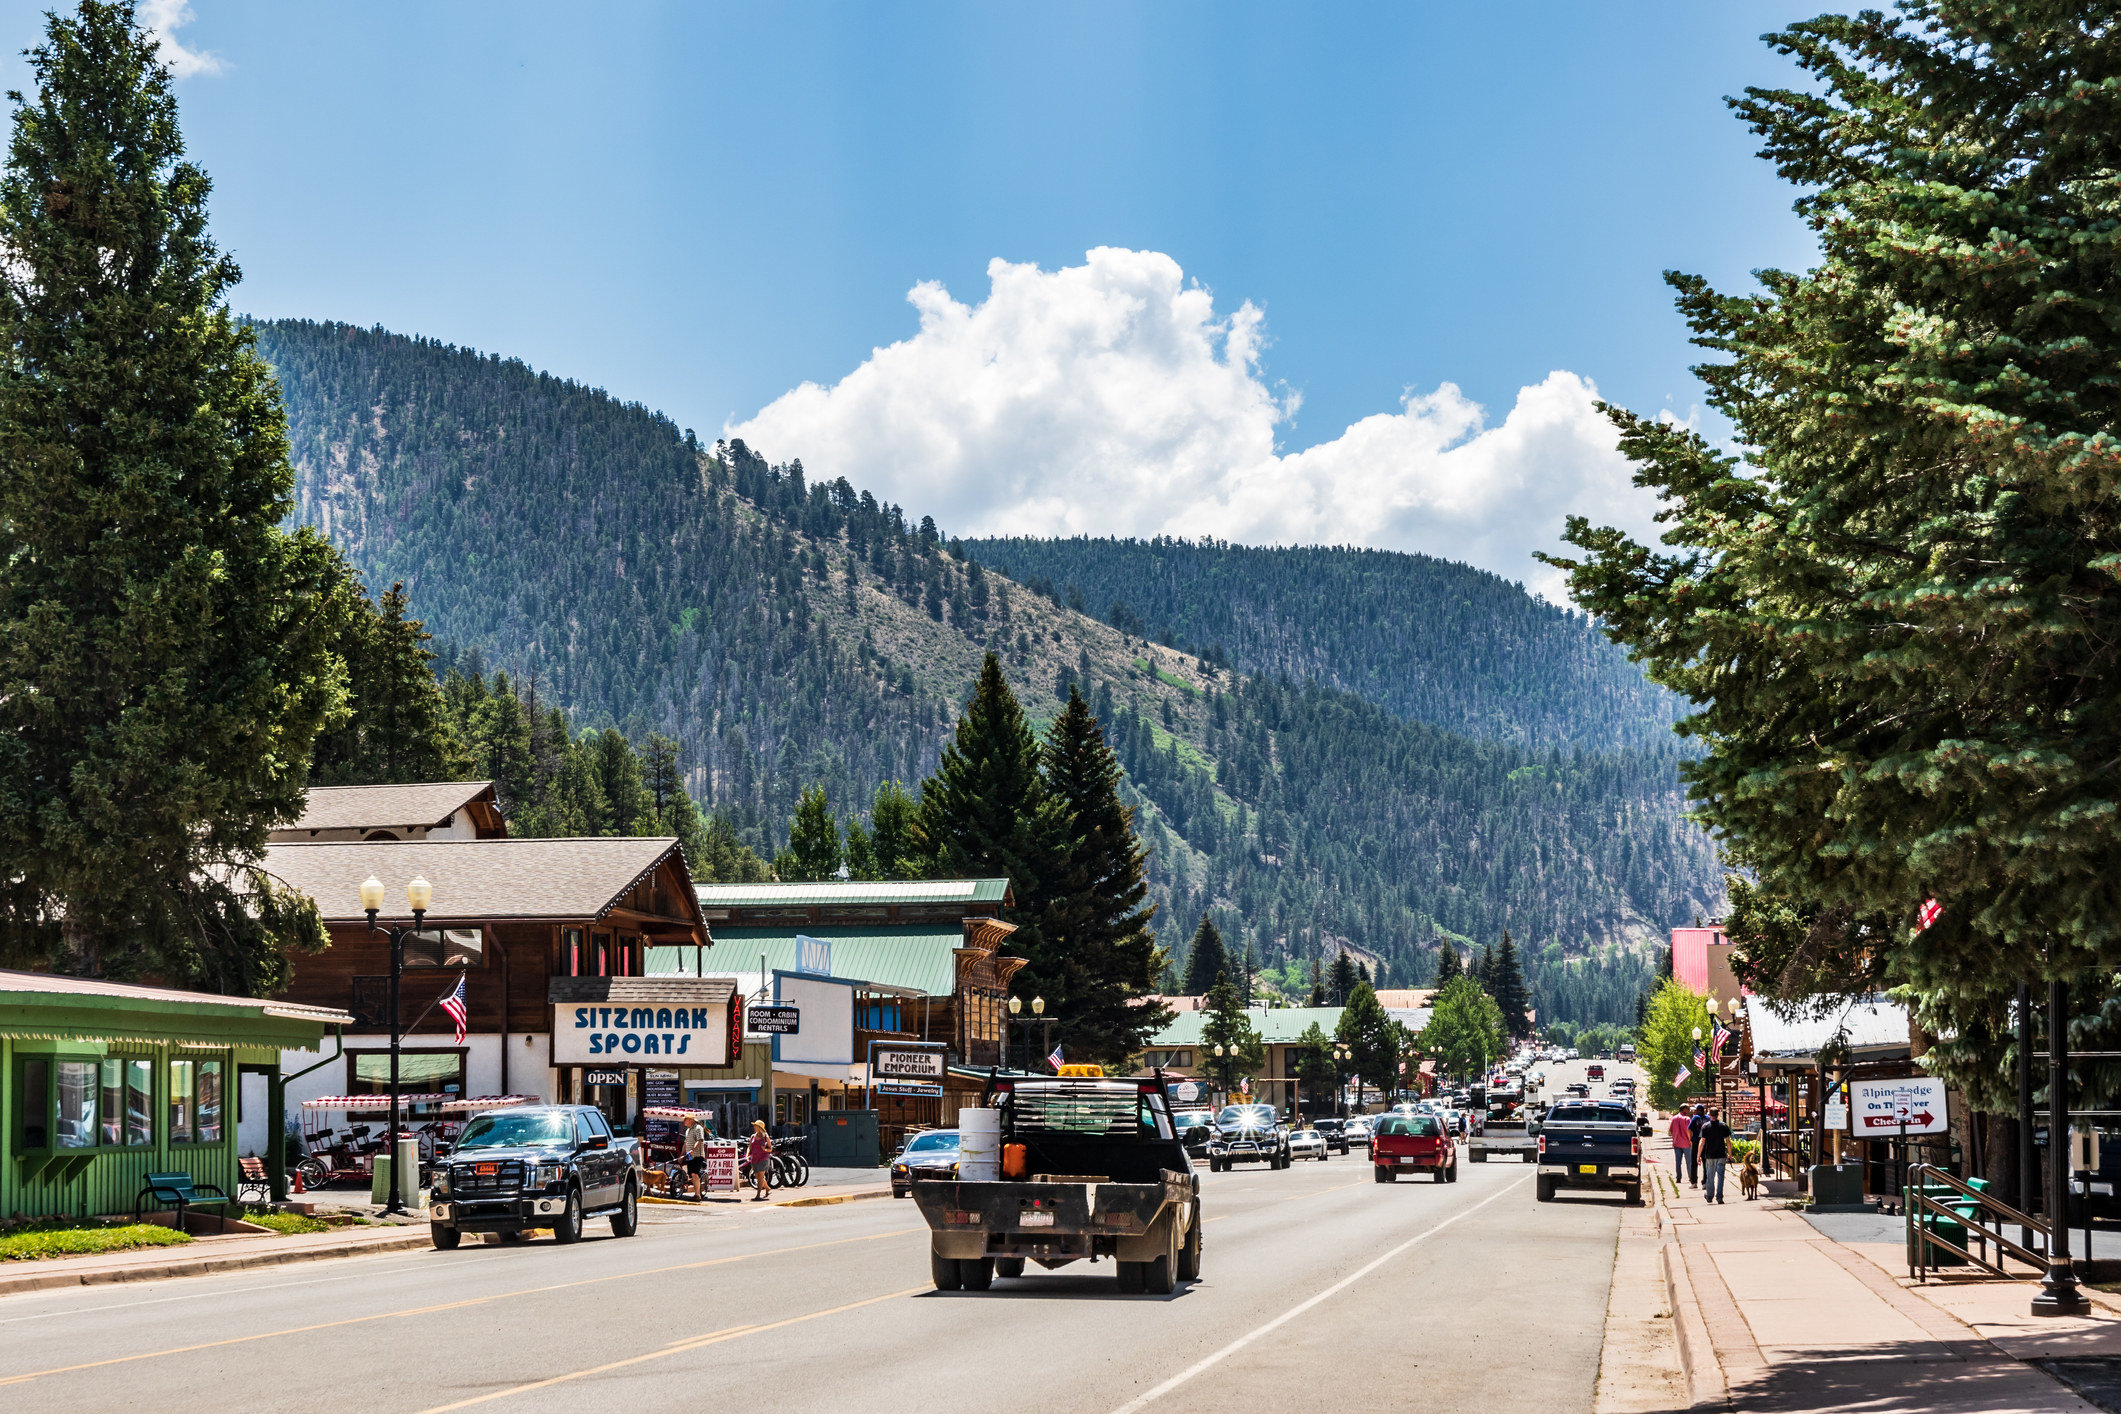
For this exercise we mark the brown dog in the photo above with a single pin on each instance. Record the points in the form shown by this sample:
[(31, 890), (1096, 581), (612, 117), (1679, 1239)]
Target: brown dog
[(1749, 1180)]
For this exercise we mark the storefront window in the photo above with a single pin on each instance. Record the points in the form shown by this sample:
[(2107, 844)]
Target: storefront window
[(419, 1073), (209, 1106), (183, 1083), (36, 1117), (571, 950), (76, 1105), (110, 1112), (139, 1102)]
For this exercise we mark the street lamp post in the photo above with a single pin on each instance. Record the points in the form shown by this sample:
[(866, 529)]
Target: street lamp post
[(1222, 1072), (418, 895), (1341, 1056), (1038, 1012)]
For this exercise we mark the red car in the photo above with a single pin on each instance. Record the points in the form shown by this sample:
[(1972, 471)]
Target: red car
[(1596, 1072), (1415, 1143)]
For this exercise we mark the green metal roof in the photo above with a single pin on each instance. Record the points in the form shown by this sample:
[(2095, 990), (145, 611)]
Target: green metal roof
[(919, 956), (1278, 1027), (885, 892), (38, 1005)]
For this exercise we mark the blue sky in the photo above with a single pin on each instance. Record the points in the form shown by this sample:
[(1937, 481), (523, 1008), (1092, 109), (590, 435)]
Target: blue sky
[(702, 207)]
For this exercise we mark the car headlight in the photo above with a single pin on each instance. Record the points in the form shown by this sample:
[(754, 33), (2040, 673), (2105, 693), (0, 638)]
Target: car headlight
[(441, 1184), (898, 1168), (544, 1174)]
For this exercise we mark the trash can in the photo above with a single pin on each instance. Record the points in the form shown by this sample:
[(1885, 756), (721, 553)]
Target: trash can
[(847, 1139), (408, 1163)]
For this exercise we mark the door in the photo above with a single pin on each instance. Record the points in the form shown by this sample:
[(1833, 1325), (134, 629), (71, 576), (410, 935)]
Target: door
[(592, 1165)]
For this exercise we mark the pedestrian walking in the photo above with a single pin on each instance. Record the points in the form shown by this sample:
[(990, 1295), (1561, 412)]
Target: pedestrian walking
[(1682, 1132), (696, 1155), (758, 1154), (1699, 1118), (1715, 1142)]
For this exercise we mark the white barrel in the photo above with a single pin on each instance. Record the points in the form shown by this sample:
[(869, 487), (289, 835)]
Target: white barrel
[(979, 1145)]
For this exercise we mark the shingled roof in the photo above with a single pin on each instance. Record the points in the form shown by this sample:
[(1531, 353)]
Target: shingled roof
[(422, 805), (480, 879)]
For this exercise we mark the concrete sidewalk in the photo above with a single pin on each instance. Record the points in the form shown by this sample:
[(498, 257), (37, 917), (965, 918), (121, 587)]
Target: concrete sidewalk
[(204, 1255), (1773, 1314)]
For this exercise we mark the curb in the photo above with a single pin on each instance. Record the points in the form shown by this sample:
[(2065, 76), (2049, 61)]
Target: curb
[(827, 1199), (1706, 1387), (204, 1265)]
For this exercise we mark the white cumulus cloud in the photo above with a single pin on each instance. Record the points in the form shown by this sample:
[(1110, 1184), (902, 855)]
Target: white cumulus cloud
[(1109, 398), (163, 18)]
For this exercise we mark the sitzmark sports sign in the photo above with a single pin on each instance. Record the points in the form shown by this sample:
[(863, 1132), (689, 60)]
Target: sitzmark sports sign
[(696, 1035), (1877, 1108)]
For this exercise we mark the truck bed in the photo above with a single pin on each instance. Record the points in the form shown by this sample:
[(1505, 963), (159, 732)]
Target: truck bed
[(1050, 1207)]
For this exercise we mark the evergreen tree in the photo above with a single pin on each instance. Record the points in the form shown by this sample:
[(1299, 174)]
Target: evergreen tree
[(1227, 1025), (1448, 966), (166, 647), (1097, 958), (1896, 618), (1344, 980), (398, 726), (1373, 1038), (1312, 1062), (1483, 970), (893, 839), (1317, 997), (1205, 959), (986, 813), (1509, 991), (813, 851), (628, 806)]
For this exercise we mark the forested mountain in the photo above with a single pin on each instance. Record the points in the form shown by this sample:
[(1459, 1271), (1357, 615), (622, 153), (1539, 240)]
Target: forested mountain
[(787, 631), (1427, 639)]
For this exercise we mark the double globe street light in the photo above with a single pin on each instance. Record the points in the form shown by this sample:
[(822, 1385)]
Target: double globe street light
[(1038, 1013), (418, 895)]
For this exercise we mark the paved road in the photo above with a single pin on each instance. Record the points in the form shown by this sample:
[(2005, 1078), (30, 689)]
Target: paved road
[(1321, 1290)]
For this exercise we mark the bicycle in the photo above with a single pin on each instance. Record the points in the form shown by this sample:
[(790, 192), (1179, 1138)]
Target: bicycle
[(790, 1166)]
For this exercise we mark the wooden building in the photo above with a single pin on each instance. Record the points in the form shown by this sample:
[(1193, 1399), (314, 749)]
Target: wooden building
[(429, 810), (515, 918)]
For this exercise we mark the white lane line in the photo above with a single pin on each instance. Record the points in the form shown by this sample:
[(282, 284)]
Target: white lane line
[(1201, 1366)]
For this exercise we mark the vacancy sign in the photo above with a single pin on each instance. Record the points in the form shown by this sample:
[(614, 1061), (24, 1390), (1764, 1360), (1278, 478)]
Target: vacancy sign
[(1878, 1108)]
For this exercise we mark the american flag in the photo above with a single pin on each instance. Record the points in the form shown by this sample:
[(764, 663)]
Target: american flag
[(454, 1005), (1054, 1060), (1701, 1062), (1723, 1033), (1929, 913), (1680, 1079)]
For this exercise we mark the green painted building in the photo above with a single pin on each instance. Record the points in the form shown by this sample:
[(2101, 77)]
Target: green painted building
[(102, 1083)]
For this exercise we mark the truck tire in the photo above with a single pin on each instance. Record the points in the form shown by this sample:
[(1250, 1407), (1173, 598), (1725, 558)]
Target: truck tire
[(1130, 1277), (944, 1271), (1159, 1278), (1189, 1252), (1546, 1189), (975, 1273), (627, 1220), (445, 1238), (1478, 1156), (1634, 1195), (1008, 1266), (1454, 1170), (568, 1227), (1385, 1175), (1442, 1175)]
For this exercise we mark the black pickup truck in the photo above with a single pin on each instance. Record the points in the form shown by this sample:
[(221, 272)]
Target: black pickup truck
[(1090, 1168), (512, 1171), (1586, 1144)]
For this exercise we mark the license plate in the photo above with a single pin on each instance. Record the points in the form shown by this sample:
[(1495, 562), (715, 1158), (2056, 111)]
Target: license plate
[(1035, 1220), (1406, 1161), (1586, 1168)]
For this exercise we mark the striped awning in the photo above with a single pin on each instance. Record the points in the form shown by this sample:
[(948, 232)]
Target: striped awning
[(372, 1102), (473, 1104)]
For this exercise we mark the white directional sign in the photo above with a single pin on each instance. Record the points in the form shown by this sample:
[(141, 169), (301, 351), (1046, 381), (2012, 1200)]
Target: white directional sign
[(1878, 1108)]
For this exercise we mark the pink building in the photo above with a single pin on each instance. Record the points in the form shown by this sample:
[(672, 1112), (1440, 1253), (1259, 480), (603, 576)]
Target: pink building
[(1701, 959)]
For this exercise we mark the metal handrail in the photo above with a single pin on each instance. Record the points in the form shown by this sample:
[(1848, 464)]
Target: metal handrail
[(1923, 1236)]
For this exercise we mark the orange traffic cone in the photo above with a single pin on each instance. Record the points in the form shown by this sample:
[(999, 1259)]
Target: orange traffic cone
[(298, 1188)]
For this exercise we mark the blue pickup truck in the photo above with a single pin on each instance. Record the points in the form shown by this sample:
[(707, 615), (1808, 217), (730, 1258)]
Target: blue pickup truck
[(1586, 1144)]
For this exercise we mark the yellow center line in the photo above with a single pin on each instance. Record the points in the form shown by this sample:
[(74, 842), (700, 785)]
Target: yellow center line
[(446, 1306), (676, 1347)]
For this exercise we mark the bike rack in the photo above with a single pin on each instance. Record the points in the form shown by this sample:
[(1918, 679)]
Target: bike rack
[(1923, 1236)]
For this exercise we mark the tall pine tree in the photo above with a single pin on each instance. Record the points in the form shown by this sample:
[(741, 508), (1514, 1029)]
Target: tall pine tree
[(398, 728), (1509, 990), (1097, 957), (1448, 965), (166, 647), (1343, 980), (1206, 961), (986, 813)]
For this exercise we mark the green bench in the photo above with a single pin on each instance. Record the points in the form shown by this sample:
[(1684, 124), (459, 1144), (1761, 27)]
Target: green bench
[(1950, 1230), (176, 1190)]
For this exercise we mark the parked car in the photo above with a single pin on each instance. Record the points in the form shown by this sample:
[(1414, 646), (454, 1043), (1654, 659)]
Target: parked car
[(1334, 1132), (1307, 1144), (1589, 1145), (1247, 1134), (516, 1170), (1359, 1131), (1413, 1144), (1195, 1130), (930, 1154)]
